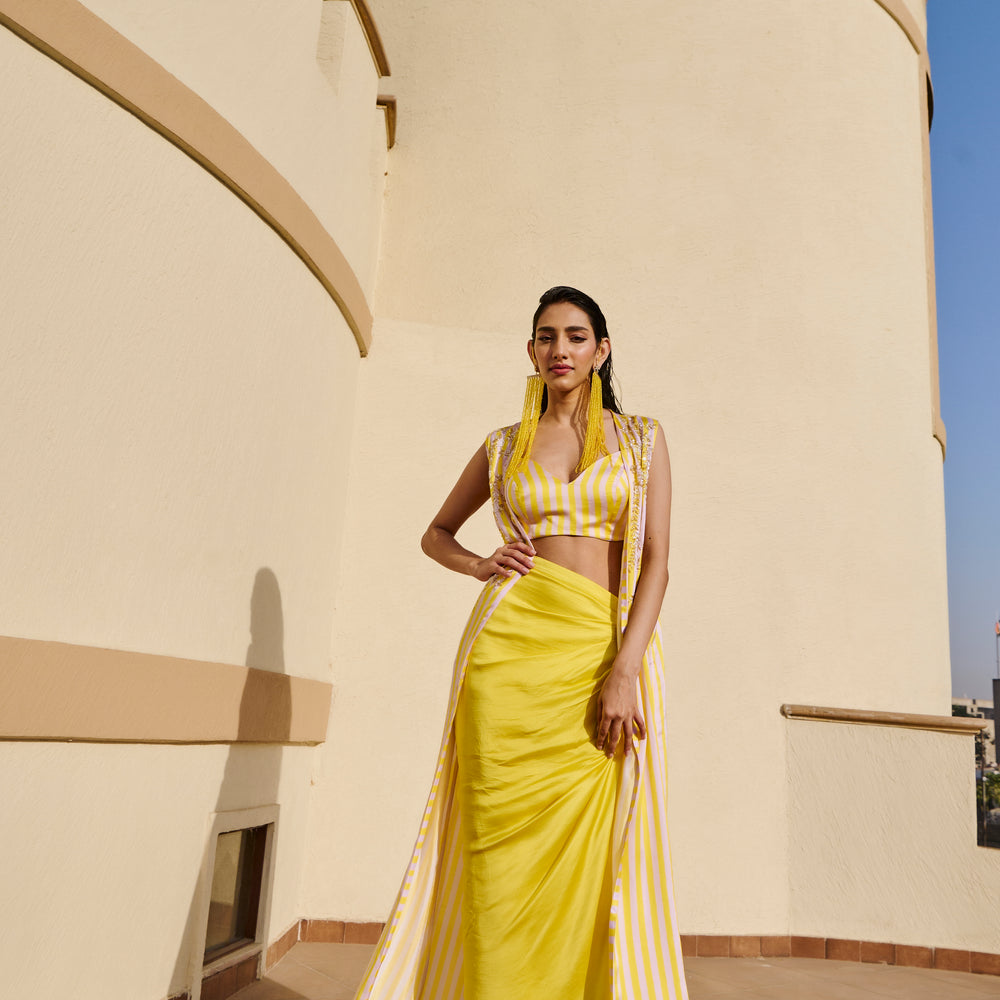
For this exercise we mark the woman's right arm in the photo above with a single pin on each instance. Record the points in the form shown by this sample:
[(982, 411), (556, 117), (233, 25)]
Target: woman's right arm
[(469, 494)]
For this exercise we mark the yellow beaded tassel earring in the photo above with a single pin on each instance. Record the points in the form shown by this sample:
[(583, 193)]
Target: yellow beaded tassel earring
[(594, 443), (529, 422)]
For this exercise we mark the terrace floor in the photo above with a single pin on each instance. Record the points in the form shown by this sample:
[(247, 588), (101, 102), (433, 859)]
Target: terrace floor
[(333, 971)]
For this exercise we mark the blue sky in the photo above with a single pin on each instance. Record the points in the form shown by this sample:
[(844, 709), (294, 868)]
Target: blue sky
[(965, 162)]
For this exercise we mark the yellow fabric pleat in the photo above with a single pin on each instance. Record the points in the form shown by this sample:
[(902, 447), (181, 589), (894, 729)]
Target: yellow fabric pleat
[(537, 798)]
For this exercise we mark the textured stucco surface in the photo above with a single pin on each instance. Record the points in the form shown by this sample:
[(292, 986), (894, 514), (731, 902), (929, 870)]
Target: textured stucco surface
[(109, 842), (882, 838)]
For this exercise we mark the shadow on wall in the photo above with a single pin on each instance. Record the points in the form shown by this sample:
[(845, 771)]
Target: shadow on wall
[(252, 773), (267, 627)]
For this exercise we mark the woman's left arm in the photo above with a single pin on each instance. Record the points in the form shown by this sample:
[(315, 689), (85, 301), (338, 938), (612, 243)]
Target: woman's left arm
[(620, 715)]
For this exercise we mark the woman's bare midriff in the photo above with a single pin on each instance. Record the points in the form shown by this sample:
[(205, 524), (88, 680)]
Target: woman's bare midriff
[(593, 558)]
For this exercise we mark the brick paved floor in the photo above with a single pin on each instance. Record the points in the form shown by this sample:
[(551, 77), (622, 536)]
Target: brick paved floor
[(332, 972)]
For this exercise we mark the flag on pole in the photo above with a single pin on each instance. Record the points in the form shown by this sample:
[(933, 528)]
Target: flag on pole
[(998, 626)]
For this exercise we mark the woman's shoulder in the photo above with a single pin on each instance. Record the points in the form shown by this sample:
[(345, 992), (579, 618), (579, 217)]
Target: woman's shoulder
[(501, 436), (637, 424), (637, 435), (502, 432)]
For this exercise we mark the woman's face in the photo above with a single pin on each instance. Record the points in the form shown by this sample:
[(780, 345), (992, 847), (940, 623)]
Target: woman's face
[(565, 348)]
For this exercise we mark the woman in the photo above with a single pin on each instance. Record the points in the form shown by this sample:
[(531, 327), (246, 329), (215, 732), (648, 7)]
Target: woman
[(542, 867)]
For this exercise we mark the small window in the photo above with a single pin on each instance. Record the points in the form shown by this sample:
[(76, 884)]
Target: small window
[(236, 883)]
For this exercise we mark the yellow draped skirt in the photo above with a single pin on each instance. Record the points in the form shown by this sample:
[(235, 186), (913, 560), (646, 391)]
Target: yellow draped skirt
[(537, 797)]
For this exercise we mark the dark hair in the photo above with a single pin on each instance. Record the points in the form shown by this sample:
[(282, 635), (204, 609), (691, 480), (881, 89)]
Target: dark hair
[(563, 293)]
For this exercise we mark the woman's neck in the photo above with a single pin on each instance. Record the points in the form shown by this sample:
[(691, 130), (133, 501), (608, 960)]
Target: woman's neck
[(567, 410)]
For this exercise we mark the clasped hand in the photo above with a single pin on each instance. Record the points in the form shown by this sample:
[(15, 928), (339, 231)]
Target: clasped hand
[(618, 712)]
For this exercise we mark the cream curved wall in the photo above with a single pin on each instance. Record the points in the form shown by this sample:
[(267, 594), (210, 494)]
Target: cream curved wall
[(742, 188), (177, 396), (177, 392)]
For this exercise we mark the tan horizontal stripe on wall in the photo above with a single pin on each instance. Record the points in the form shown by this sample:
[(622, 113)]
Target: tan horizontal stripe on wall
[(900, 13), (59, 691), (900, 720), (91, 49)]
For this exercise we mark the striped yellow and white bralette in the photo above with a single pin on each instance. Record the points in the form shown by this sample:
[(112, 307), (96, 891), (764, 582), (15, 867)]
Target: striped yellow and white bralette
[(594, 505)]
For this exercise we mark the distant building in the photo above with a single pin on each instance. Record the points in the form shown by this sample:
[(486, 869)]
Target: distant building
[(976, 708)]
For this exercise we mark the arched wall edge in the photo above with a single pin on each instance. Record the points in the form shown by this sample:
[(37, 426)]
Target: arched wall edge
[(923, 82), (370, 29), (899, 12), (92, 50)]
